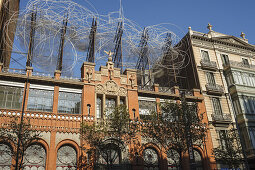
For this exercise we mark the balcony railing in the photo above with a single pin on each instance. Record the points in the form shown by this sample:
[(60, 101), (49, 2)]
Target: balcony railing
[(210, 65), (214, 89), (146, 88), (185, 92), (165, 90), (221, 117), (239, 65)]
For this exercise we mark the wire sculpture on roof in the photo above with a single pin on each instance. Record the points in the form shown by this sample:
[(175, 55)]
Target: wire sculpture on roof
[(87, 35)]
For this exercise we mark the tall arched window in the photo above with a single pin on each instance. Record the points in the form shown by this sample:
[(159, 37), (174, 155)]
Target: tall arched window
[(5, 157), (110, 155), (66, 158), (198, 160), (35, 157), (173, 159), (151, 159)]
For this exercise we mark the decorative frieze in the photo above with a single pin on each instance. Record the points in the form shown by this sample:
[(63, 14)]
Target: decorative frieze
[(110, 88)]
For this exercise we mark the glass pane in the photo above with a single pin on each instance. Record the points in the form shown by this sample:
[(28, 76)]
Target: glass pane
[(40, 100), (69, 103), (35, 157), (66, 157), (11, 97)]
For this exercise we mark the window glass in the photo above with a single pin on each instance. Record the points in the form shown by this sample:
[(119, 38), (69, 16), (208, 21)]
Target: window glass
[(5, 157), (11, 97), (217, 106), (146, 107), (99, 107), (205, 55), (69, 103), (210, 78), (110, 104), (66, 158), (198, 160), (224, 59), (34, 158), (40, 100), (245, 62)]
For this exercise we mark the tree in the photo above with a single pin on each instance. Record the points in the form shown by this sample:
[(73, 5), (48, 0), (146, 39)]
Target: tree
[(9, 133), (229, 152), (176, 128), (108, 137)]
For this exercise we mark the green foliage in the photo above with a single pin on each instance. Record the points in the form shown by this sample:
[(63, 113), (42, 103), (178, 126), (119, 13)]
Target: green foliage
[(230, 153), (13, 131), (116, 129), (174, 125)]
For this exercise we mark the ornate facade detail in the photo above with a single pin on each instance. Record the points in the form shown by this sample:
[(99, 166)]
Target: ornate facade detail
[(116, 73), (122, 91), (89, 74), (98, 77), (111, 87), (123, 80), (132, 80), (100, 89)]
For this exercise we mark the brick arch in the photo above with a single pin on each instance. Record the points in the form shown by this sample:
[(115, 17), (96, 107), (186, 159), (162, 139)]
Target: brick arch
[(11, 145), (45, 145), (70, 143), (151, 145), (201, 152), (156, 148)]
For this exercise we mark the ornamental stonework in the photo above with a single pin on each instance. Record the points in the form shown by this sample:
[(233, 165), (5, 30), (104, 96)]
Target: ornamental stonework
[(110, 88), (122, 91)]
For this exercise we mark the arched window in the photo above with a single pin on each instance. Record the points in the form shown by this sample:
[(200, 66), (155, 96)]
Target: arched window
[(66, 158), (173, 159), (110, 155), (198, 160), (151, 159), (5, 157), (35, 157)]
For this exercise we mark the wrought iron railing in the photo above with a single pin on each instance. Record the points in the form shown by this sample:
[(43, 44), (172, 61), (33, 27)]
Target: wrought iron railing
[(208, 64), (221, 117), (214, 88), (147, 88), (165, 90), (239, 64)]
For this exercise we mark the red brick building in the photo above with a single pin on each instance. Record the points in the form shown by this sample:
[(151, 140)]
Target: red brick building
[(57, 106)]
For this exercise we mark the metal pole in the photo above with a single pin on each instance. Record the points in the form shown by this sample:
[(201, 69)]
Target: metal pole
[(21, 125)]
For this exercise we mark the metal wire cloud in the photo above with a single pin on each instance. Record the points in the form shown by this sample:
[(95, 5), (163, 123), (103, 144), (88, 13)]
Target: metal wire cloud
[(44, 20)]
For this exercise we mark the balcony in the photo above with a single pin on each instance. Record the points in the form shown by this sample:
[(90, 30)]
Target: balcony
[(241, 65), (209, 65), (214, 89), (221, 118)]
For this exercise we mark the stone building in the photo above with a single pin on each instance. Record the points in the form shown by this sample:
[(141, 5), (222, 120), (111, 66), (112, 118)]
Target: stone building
[(222, 67), (56, 106)]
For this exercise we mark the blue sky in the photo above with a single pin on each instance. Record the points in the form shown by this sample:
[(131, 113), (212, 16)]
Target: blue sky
[(227, 16), (230, 17)]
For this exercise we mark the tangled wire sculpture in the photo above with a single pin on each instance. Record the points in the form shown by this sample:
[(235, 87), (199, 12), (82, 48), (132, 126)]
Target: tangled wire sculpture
[(49, 17)]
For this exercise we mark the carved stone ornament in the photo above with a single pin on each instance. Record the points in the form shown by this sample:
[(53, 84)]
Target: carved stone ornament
[(89, 74), (122, 91), (111, 87), (132, 80), (100, 89)]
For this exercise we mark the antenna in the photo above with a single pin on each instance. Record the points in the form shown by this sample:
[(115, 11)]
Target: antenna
[(118, 47), (92, 40), (62, 42)]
